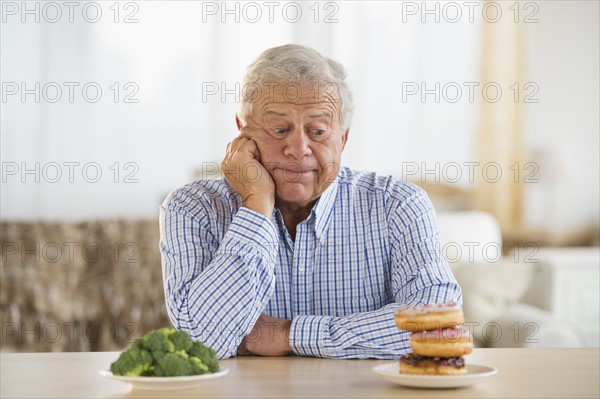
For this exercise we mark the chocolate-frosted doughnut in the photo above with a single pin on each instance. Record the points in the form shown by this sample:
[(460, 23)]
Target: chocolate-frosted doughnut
[(417, 364), (429, 317), (446, 342)]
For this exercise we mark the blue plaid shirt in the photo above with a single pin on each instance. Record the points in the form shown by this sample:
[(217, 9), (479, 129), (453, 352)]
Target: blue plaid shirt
[(369, 245)]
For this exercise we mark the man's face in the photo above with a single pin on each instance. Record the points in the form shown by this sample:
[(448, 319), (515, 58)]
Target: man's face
[(297, 131)]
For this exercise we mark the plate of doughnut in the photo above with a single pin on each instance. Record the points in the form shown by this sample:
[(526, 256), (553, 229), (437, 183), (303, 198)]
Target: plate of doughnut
[(475, 373), (438, 341)]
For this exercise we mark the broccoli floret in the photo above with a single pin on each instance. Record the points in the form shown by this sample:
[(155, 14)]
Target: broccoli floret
[(133, 362), (158, 340), (173, 364), (138, 343), (181, 340), (158, 354), (149, 372), (167, 353), (206, 354), (198, 366)]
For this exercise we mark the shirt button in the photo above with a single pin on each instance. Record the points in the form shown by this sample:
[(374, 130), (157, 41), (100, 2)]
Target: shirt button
[(301, 268)]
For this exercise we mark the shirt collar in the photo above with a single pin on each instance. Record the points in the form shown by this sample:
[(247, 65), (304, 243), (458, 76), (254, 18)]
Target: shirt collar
[(321, 212)]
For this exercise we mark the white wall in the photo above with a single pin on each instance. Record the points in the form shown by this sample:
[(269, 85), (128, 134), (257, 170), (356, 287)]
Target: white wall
[(563, 129), (171, 131)]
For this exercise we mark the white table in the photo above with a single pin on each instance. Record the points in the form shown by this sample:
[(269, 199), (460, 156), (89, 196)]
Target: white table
[(522, 373)]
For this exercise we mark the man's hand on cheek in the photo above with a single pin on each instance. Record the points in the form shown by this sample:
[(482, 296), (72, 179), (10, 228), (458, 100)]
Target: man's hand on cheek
[(244, 172)]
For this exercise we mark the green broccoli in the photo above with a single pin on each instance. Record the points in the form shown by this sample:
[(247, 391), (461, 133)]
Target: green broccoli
[(198, 366), (173, 364), (167, 353), (138, 343), (158, 354), (133, 362), (158, 340), (181, 340), (206, 354)]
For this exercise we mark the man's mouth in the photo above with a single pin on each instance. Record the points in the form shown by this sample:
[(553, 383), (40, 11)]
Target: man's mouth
[(299, 171), (295, 168), (294, 174)]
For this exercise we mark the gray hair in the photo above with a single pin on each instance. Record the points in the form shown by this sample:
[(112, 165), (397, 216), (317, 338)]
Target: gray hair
[(293, 63)]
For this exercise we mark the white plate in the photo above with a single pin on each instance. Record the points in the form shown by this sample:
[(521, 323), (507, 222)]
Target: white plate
[(165, 383), (475, 373)]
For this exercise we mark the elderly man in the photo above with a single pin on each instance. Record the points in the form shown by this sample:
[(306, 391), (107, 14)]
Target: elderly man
[(292, 253)]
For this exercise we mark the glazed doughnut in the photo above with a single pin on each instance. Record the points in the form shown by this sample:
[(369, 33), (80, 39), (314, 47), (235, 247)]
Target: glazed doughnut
[(445, 342), (429, 317), (417, 364)]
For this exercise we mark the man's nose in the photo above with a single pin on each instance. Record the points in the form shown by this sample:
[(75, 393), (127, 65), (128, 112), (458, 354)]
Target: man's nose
[(297, 144)]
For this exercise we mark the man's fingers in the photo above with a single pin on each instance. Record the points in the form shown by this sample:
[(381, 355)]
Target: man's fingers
[(244, 146), (228, 148), (235, 144), (242, 349), (253, 148), (257, 190)]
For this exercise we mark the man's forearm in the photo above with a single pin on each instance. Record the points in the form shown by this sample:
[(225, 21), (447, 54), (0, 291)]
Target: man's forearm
[(219, 304), (362, 335), (358, 336)]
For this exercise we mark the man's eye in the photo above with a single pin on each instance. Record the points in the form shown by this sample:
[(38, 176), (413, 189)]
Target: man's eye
[(318, 134), (280, 131)]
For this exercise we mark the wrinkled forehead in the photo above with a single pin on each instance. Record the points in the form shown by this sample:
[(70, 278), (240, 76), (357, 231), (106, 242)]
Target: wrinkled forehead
[(316, 95)]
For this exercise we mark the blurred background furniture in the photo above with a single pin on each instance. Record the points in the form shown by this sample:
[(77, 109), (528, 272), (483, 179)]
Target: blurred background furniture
[(528, 297), (93, 285), (566, 282)]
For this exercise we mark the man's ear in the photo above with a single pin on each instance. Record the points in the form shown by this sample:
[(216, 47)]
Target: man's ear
[(345, 138), (238, 122)]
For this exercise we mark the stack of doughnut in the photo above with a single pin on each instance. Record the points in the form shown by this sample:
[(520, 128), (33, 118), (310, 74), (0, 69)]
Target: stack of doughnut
[(438, 340)]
